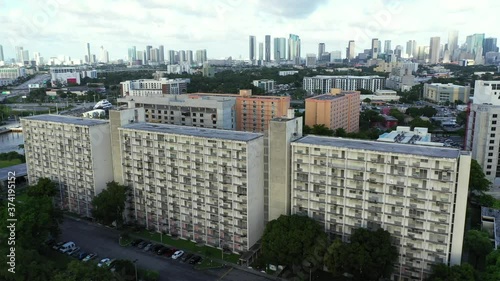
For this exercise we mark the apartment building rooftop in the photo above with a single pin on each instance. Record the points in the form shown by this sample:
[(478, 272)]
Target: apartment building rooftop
[(331, 96), (491, 216), (194, 131), (436, 152), (67, 120)]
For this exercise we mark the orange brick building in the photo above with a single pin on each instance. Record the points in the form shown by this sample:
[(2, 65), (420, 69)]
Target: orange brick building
[(253, 113), (338, 109)]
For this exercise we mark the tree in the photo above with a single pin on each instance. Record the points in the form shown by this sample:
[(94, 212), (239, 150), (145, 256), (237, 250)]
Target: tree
[(369, 256), (79, 271), (367, 100), (479, 244), (44, 187), (340, 132), (486, 200), (492, 271), (461, 118), (397, 114), (108, 205), (319, 129), (442, 272), (37, 95), (418, 122), (477, 179), (125, 269), (288, 240)]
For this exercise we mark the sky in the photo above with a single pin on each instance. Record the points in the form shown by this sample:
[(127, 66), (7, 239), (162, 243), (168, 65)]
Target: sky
[(63, 27)]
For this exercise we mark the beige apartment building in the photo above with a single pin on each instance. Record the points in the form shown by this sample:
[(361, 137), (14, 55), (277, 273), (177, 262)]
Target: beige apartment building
[(418, 194), (338, 109), (199, 184), (217, 112), (442, 93), (73, 152)]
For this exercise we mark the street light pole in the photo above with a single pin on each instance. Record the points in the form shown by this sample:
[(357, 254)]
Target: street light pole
[(135, 266)]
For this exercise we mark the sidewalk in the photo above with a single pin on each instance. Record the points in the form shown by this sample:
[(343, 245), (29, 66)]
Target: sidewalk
[(217, 260)]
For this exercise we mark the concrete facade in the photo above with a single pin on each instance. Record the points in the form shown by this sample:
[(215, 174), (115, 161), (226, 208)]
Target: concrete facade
[(73, 152), (322, 84), (339, 109), (418, 194), (216, 112), (442, 93), (151, 87)]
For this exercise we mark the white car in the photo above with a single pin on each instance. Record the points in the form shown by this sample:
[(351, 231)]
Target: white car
[(70, 252), (177, 254), (103, 262)]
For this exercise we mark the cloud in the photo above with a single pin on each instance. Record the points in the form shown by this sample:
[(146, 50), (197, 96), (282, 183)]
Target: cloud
[(290, 8)]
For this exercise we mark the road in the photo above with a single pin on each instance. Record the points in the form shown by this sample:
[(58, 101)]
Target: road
[(104, 242), (23, 88)]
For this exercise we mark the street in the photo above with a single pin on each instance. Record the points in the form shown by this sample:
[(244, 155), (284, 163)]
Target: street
[(104, 242)]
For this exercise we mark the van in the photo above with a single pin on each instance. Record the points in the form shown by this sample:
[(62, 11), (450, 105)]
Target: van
[(67, 247)]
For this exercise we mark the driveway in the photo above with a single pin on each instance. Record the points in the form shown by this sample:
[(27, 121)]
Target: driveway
[(104, 242)]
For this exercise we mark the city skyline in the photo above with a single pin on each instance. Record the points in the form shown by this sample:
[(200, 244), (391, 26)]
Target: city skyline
[(113, 28)]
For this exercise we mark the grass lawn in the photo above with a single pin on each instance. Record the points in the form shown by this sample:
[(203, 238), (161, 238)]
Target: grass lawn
[(207, 263), (8, 163), (189, 246)]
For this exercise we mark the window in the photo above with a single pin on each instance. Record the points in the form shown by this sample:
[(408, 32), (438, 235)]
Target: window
[(493, 128), (490, 154), (488, 166), (492, 141), (491, 148), (489, 160), (493, 122), (492, 135), (495, 115), (488, 173)]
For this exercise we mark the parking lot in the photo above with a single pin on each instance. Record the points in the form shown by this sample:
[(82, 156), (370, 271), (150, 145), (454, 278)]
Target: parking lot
[(104, 242)]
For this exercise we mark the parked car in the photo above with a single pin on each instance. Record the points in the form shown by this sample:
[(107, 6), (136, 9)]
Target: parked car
[(76, 254), (177, 254), (58, 245), (70, 252), (148, 247), (194, 259), (156, 248), (89, 257), (161, 250), (186, 257), (136, 242), (104, 261), (67, 247), (111, 263), (142, 244), (170, 252), (82, 255)]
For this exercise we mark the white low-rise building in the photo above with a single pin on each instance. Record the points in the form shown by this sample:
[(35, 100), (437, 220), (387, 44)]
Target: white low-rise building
[(322, 84), (151, 87)]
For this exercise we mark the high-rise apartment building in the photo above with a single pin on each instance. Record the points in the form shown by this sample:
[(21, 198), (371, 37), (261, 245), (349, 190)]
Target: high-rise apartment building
[(161, 55), (88, 53), (434, 50), (261, 52), (452, 43), (148, 53), (132, 54), (203, 185), (483, 128), (338, 109), (189, 57), (201, 56), (321, 84), (1, 53), (294, 48), (267, 56), (387, 47), (252, 48), (73, 152), (375, 48), (321, 50), (151, 87), (474, 44), (351, 50), (171, 57), (418, 194), (411, 49), (217, 112), (279, 49)]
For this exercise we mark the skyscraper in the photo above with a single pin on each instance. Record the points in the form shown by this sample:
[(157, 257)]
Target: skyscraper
[(321, 50), (189, 56), (411, 48), (88, 53), (294, 48), (161, 57), (375, 48), (398, 51), (171, 57), (452, 42), (182, 56), (201, 56), (268, 48), (251, 48), (132, 54), (279, 49), (489, 45), (19, 54), (474, 44), (25, 56), (148, 53), (350, 51), (434, 50), (387, 47), (261, 52), (1, 53)]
